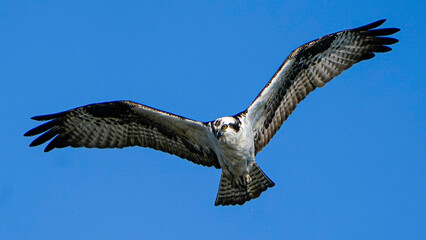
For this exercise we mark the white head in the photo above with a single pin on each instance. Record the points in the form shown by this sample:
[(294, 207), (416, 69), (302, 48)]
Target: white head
[(226, 125)]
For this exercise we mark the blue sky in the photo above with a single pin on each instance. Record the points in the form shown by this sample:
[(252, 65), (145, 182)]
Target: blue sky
[(349, 163)]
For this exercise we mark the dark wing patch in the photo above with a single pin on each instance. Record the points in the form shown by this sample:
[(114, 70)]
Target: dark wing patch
[(121, 124), (309, 66)]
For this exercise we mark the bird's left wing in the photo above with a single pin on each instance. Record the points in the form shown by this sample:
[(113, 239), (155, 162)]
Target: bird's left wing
[(310, 66), (121, 124)]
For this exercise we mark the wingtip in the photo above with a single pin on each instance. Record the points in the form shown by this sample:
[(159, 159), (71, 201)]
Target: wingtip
[(43, 117), (47, 150), (52, 145), (392, 30), (37, 118), (31, 133), (48, 116), (379, 22), (382, 49), (387, 40), (371, 25), (33, 144)]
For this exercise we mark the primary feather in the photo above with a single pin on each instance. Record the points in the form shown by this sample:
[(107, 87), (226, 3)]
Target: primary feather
[(310, 66), (124, 124), (229, 143)]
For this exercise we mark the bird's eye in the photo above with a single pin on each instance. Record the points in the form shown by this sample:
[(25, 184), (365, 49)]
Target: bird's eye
[(224, 127)]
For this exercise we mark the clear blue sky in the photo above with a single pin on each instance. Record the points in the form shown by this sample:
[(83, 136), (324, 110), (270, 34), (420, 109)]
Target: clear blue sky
[(350, 163)]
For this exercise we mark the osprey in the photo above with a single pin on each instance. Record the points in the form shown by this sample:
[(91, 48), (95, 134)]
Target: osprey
[(229, 143)]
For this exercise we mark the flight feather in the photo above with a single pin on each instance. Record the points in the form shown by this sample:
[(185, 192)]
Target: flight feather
[(121, 124), (310, 66)]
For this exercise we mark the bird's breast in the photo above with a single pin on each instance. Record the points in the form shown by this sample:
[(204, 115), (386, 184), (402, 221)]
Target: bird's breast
[(237, 150)]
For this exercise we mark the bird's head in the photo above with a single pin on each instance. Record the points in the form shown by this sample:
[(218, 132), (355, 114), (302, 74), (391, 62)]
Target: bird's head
[(225, 126)]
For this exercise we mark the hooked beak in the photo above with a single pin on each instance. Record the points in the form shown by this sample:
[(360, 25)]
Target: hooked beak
[(219, 134)]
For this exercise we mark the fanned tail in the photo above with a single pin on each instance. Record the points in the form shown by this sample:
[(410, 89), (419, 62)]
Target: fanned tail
[(230, 194)]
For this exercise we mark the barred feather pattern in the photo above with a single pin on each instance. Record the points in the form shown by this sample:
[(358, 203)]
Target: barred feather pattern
[(310, 66), (121, 124), (229, 194)]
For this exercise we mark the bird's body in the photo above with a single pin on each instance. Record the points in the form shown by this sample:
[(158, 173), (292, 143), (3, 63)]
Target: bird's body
[(236, 148), (241, 178), (229, 143)]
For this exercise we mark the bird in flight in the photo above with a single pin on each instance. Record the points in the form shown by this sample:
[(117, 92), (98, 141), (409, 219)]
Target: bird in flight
[(229, 143)]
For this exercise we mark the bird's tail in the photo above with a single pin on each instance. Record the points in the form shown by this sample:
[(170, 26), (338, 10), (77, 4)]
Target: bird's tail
[(231, 194)]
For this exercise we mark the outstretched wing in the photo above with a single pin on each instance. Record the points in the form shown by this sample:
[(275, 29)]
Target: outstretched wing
[(123, 124), (309, 66)]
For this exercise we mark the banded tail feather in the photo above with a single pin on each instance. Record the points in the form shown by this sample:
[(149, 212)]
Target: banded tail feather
[(226, 141), (230, 194)]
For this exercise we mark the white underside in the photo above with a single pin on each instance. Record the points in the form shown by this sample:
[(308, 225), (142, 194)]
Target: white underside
[(237, 150)]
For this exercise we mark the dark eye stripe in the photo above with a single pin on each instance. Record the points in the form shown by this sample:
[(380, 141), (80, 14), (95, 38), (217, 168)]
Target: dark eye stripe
[(235, 126)]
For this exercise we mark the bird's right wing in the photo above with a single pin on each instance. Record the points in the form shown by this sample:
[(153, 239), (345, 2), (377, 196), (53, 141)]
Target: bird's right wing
[(121, 124)]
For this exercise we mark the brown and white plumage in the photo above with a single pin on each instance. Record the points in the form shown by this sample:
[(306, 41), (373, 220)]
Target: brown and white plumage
[(124, 124), (310, 66), (229, 143)]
